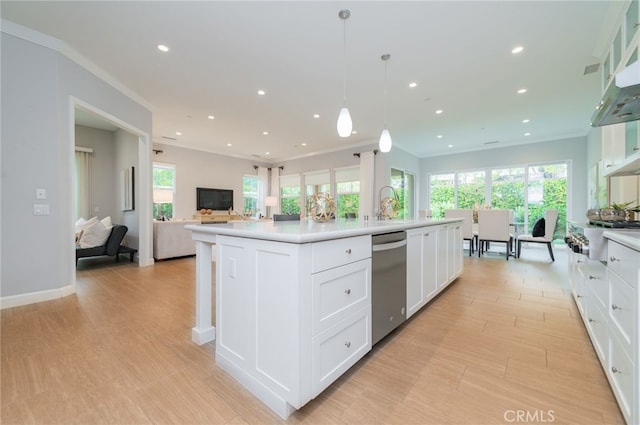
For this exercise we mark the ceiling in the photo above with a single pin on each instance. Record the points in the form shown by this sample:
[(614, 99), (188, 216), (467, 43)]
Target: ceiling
[(458, 53)]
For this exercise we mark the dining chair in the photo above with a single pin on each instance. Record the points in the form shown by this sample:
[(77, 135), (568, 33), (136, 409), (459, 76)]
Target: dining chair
[(494, 225), (550, 222), (467, 225)]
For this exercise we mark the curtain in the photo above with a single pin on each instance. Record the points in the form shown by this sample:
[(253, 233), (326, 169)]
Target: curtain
[(367, 169), (83, 184), (275, 189), (263, 189)]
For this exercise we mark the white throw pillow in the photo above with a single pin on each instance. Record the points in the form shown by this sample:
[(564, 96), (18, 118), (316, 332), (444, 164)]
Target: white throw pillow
[(107, 222), (82, 224), (94, 235)]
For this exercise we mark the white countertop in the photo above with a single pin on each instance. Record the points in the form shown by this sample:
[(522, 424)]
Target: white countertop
[(629, 238), (305, 231)]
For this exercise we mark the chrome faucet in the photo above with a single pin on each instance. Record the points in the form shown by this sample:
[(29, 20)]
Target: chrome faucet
[(380, 206)]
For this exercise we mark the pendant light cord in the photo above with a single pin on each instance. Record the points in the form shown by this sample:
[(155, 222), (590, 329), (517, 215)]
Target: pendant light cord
[(385, 93), (344, 69)]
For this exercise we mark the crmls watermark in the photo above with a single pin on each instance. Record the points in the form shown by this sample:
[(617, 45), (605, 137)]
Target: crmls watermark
[(523, 416)]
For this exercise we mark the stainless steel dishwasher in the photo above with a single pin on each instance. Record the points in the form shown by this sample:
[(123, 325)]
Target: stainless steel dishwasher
[(388, 283)]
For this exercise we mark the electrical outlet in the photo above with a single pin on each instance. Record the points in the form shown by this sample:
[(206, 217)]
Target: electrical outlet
[(40, 209)]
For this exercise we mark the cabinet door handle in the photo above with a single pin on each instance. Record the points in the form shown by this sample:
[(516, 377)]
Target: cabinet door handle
[(347, 344), (348, 251), (591, 277), (615, 307), (591, 320), (579, 261), (615, 369), (347, 291), (579, 296), (613, 259)]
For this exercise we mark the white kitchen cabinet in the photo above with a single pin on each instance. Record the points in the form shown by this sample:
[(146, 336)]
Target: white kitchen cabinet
[(613, 146), (422, 265), (608, 298), (281, 348), (434, 259)]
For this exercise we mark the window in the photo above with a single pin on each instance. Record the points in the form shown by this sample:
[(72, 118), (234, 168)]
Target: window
[(442, 193), (290, 194), (528, 190), (347, 191), (164, 183), (250, 195), (471, 189), (404, 184), (316, 182)]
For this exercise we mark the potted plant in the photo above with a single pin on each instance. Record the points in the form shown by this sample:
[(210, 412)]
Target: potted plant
[(618, 212)]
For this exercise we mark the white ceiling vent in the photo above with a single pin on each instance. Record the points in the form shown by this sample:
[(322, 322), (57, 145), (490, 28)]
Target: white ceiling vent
[(590, 69)]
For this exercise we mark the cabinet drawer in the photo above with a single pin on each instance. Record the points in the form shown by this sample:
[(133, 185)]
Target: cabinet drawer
[(623, 261), (622, 306), (338, 252), (594, 275), (621, 372), (340, 292), (339, 348), (596, 322)]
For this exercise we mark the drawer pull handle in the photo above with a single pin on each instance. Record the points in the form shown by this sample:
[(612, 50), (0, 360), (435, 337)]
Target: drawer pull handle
[(347, 344), (347, 291), (613, 259), (591, 277), (615, 369), (348, 251), (591, 320), (579, 296), (615, 307), (579, 261)]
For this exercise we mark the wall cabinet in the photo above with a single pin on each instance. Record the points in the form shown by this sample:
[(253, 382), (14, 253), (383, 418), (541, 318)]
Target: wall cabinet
[(434, 260)]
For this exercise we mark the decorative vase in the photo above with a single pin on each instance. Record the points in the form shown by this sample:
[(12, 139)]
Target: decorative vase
[(610, 214), (322, 207)]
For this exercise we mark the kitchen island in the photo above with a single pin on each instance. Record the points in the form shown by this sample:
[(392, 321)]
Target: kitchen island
[(293, 298)]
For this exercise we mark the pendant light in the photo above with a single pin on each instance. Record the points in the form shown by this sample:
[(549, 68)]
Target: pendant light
[(344, 125), (385, 137)]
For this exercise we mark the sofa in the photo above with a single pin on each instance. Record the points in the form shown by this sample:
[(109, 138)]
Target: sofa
[(111, 247), (172, 240)]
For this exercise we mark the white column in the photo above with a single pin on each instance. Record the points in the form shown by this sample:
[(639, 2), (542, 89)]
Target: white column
[(204, 331)]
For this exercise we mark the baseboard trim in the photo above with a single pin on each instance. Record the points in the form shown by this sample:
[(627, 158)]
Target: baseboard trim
[(35, 297)]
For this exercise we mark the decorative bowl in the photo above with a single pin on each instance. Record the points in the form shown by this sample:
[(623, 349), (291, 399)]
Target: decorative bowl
[(609, 214), (593, 214)]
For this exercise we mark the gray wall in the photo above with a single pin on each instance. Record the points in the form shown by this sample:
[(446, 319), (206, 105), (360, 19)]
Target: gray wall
[(573, 150), (37, 125)]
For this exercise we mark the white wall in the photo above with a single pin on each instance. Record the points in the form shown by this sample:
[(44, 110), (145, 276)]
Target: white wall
[(201, 169), (573, 150), (38, 83), (126, 156)]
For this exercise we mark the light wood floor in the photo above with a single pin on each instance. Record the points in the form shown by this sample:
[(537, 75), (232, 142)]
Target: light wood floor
[(504, 338)]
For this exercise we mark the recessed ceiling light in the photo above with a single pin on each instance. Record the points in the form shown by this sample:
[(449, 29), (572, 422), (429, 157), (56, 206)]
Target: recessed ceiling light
[(439, 111), (413, 84), (449, 146), (266, 133), (163, 48), (316, 116), (517, 49), (303, 144), (211, 117), (439, 136), (527, 134), (229, 144), (178, 133), (266, 153), (354, 132), (261, 92), (526, 120), (522, 91)]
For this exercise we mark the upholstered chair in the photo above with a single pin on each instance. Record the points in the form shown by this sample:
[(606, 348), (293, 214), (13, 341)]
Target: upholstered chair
[(550, 222)]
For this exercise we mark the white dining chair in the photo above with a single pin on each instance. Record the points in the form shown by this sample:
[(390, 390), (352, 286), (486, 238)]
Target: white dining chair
[(494, 225), (550, 222), (467, 225)]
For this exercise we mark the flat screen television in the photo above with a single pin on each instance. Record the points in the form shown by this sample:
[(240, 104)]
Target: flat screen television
[(214, 199)]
